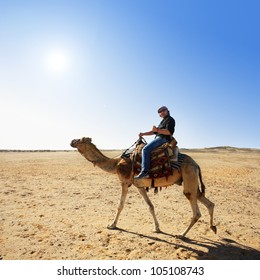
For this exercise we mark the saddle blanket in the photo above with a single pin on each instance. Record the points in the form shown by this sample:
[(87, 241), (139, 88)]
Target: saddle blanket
[(163, 160)]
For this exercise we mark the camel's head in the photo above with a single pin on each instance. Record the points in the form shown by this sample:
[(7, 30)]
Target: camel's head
[(80, 144)]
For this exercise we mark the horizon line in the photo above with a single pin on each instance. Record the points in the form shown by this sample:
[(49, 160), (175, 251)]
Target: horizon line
[(72, 150)]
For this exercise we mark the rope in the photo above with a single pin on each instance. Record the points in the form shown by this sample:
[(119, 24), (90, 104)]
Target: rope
[(139, 139)]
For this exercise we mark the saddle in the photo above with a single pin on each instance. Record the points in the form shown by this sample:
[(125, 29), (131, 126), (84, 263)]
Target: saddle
[(162, 159)]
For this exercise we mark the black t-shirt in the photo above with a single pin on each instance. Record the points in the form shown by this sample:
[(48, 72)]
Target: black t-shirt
[(167, 123)]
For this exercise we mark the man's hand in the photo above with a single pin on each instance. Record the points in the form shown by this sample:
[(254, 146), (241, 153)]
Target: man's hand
[(154, 129), (141, 134)]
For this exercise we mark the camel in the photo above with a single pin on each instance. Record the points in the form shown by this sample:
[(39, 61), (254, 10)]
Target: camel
[(189, 176)]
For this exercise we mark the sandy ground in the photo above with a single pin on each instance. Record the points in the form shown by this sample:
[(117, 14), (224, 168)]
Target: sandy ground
[(56, 205)]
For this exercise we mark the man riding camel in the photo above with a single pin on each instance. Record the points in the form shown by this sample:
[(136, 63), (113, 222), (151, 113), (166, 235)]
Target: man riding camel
[(163, 134)]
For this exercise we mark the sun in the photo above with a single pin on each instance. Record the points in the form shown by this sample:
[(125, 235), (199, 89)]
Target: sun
[(57, 61)]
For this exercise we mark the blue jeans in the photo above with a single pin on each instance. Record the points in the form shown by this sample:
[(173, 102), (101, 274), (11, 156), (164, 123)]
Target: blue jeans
[(146, 152)]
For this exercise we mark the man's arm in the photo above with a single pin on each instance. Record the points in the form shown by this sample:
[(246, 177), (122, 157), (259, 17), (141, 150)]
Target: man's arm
[(141, 134), (161, 131), (155, 130)]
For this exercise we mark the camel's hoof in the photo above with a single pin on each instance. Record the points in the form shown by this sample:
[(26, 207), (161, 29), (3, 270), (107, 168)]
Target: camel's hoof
[(214, 228), (180, 236), (157, 230), (111, 227)]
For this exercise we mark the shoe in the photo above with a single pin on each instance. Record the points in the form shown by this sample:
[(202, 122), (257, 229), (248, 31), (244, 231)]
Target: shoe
[(142, 175)]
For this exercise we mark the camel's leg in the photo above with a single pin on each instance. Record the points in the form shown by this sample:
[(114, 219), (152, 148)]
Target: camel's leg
[(210, 206), (121, 205), (151, 207), (195, 210)]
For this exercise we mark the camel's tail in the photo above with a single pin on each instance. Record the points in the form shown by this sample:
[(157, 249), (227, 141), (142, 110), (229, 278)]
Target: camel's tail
[(202, 186)]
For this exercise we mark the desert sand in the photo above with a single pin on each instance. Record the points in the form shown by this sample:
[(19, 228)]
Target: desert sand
[(56, 205)]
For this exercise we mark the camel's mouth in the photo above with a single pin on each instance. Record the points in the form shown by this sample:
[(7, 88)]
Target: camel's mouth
[(75, 142)]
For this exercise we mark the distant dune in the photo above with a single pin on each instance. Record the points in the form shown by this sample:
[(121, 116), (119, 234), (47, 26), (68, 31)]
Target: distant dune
[(217, 148), (34, 151)]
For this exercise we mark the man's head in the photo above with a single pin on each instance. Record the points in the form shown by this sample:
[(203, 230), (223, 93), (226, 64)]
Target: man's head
[(163, 111)]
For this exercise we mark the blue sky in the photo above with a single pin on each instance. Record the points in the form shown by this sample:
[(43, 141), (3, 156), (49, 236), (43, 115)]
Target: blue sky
[(121, 60)]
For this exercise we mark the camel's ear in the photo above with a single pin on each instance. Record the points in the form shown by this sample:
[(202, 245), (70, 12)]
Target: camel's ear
[(86, 139)]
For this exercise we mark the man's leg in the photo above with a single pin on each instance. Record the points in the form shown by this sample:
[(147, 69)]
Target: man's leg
[(146, 152)]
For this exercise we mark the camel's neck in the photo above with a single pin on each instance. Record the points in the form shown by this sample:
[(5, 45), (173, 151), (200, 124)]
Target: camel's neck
[(93, 154)]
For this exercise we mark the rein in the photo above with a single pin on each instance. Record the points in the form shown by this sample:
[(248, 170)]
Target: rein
[(136, 142)]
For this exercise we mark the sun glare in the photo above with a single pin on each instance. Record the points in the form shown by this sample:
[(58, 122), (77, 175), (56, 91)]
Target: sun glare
[(57, 62)]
